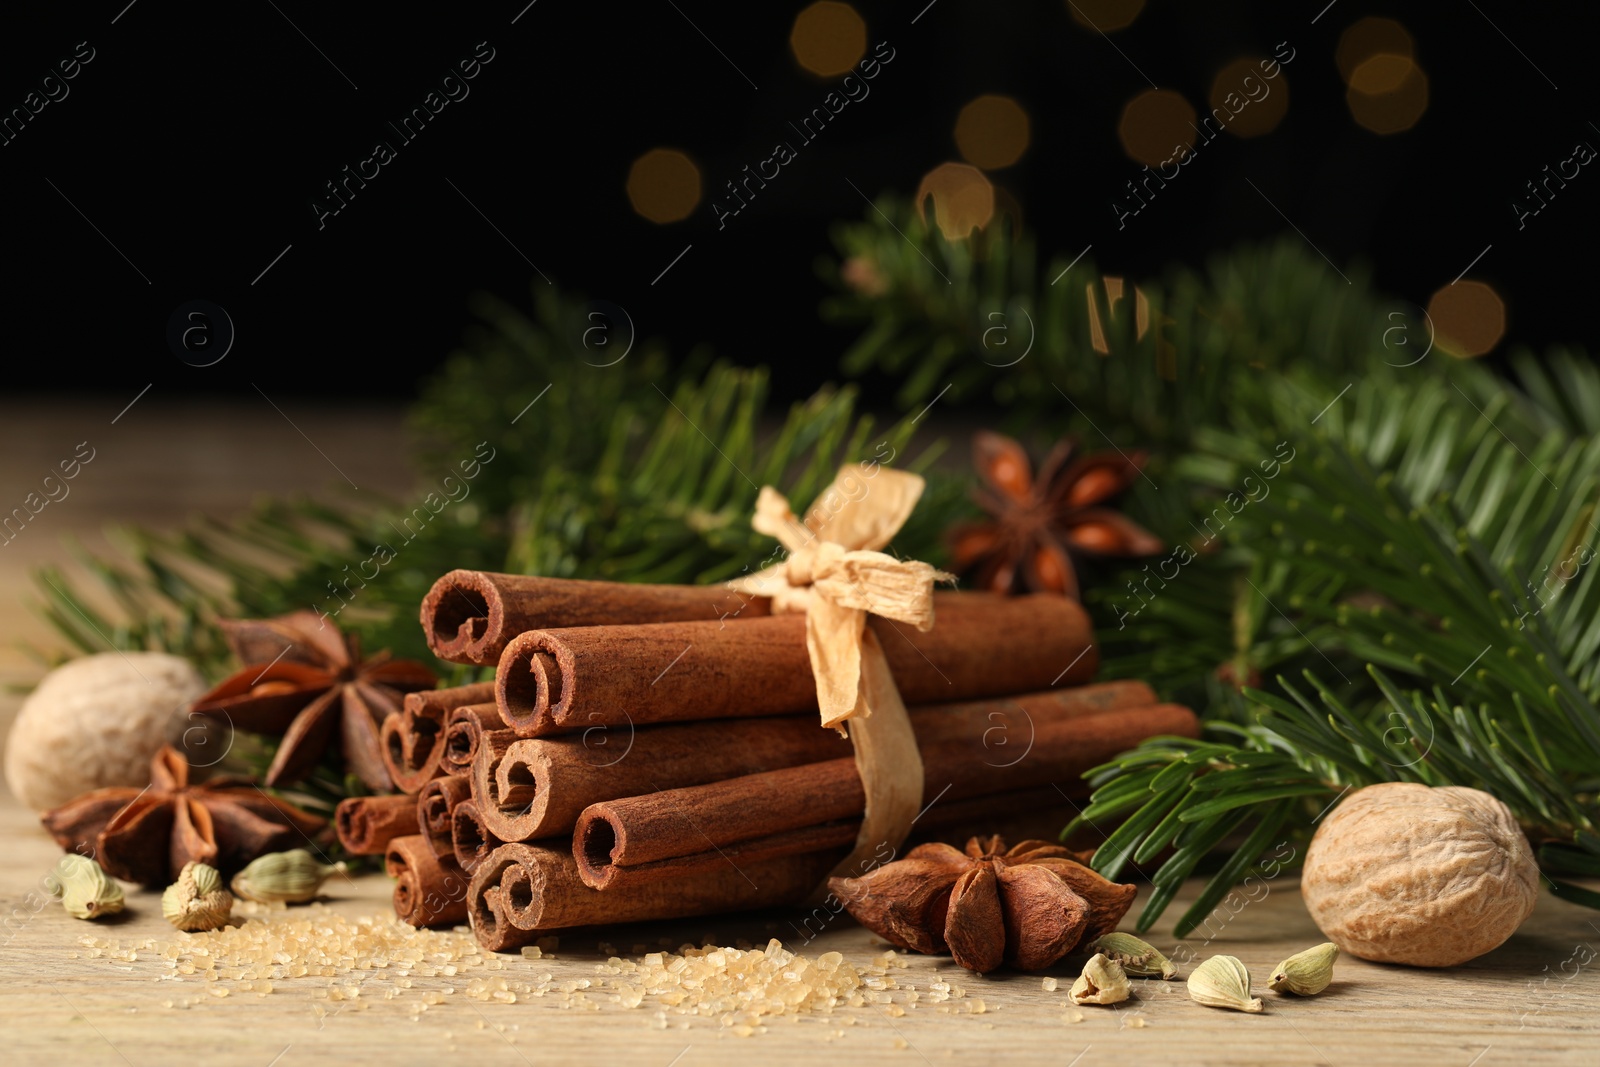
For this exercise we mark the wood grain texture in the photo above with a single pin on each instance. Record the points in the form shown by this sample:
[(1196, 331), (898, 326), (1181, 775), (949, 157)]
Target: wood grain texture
[(1511, 1007)]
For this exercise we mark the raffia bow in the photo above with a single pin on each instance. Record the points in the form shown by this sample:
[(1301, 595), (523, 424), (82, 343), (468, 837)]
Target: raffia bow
[(836, 575)]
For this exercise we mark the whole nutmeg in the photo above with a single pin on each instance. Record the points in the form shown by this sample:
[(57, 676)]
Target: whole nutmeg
[(96, 722), (1407, 873)]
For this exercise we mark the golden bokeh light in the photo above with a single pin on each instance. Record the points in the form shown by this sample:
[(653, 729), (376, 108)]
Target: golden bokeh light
[(1382, 73), (1367, 38), (963, 199), (1157, 125), (1469, 318), (828, 38), (1392, 111), (664, 185), (992, 132), (1247, 103), (1105, 15)]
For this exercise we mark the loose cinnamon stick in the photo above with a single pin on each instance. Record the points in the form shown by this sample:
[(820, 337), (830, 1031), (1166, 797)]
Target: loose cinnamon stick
[(413, 740), (366, 825), (540, 785), (980, 646), (462, 733), (434, 805), (428, 891), (537, 889), (469, 616), (678, 832), (471, 841)]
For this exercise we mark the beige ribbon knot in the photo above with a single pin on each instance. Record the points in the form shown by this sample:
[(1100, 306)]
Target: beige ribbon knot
[(837, 576)]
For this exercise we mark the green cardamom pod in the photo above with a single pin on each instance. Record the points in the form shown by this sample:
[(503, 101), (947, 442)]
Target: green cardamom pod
[(1138, 958), (1103, 981), (1306, 973), (86, 891), (1223, 982), (293, 877), (197, 901)]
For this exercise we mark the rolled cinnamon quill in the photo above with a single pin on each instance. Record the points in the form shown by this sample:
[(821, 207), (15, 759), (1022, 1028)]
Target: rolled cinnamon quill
[(471, 841), (1044, 810), (366, 825), (536, 788), (536, 889), (434, 805), (463, 733), (980, 646), (428, 891), (676, 833), (470, 616), (413, 740), (489, 909), (540, 785)]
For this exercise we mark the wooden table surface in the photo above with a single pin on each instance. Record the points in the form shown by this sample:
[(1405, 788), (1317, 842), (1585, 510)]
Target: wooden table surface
[(1521, 1004), (1536, 1000)]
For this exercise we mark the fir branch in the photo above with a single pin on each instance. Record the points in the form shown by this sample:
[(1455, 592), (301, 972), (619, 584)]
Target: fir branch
[(1156, 377)]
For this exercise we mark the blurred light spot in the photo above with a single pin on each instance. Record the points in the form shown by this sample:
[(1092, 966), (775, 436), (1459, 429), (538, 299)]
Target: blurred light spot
[(1395, 110), (1370, 37), (1469, 318), (664, 185), (862, 274), (1105, 15), (1157, 125), (992, 132), (828, 38), (1248, 103), (1382, 73), (963, 199)]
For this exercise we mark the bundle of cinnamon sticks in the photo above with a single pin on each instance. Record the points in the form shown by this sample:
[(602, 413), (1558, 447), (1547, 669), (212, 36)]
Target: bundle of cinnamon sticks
[(651, 752)]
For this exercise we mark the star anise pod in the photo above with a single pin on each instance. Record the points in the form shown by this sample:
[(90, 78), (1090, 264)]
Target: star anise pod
[(306, 680), (147, 835), (1039, 525), (1026, 906)]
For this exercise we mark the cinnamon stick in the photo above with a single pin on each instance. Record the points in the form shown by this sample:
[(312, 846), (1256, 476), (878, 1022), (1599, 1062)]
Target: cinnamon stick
[(428, 891), (980, 646), (1041, 810), (434, 805), (614, 877), (471, 840), (540, 785), (536, 788), (676, 833), (536, 889), (489, 909), (412, 740), (470, 616), (366, 825), (465, 727)]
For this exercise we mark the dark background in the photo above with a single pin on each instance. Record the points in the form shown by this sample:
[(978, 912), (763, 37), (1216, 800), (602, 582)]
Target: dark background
[(200, 133)]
